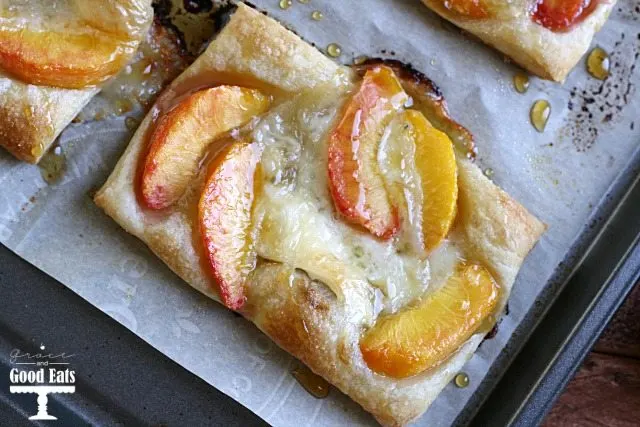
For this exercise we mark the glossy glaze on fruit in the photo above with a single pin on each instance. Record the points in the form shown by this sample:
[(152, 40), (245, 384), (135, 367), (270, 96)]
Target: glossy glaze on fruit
[(356, 184), (183, 136), (73, 44), (421, 337), (562, 15)]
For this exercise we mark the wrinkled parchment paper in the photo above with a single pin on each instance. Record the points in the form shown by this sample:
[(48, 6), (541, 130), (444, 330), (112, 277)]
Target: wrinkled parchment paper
[(560, 175)]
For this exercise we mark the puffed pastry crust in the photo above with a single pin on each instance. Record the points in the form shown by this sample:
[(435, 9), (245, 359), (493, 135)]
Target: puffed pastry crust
[(301, 315), (548, 54)]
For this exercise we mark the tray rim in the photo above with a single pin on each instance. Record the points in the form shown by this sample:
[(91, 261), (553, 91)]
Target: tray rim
[(120, 378), (607, 223)]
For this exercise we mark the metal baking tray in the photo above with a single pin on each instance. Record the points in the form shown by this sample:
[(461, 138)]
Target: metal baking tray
[(121, 380), (125, 381)]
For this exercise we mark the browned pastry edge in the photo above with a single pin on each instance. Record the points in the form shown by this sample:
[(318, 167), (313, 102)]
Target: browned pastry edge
[(303, 317)]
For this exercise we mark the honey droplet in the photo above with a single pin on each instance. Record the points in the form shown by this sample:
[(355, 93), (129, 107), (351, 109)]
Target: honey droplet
[(131, 123), (100, 115), (539, 114), (317, 386), (316, 15), (334, 50), (53, 165), (521, 82), (285, 4), (461, 380), (358, 60), (488, 172), (598, 63), (123, 106)]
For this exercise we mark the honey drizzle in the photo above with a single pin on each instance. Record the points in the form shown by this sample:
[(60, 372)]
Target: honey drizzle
[(598, 63), (314, 384), (157, 61), (334, 50), (539, 115), (461, 380), (53, 165), (521, 82)]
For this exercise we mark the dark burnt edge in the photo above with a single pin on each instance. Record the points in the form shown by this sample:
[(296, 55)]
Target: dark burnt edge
[(405, 71), (219, 16), (197, 6), (431, 91), (162, 15), (177, 39)]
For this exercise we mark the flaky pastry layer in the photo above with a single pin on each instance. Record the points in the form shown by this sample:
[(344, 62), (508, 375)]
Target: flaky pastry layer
[(550, 55), (303, 316)]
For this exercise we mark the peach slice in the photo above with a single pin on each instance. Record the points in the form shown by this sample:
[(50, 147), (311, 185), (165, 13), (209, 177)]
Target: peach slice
[(419, 167), (422, 337), (87, 43), (355, 181), (436, 164), (561, 15), (183, 136), (427, 99), (66, 60), (476, 9), (225, 219)]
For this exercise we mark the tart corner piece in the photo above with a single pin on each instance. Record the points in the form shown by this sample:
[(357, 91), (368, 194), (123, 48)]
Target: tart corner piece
[(29, 122), (542, 46), (303, 316), (42, 90)]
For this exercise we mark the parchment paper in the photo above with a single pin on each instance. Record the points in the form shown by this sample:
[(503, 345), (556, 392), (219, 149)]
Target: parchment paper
[(560, 175)]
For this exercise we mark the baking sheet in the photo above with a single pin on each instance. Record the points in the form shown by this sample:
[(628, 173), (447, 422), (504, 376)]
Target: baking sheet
[(560, 175)]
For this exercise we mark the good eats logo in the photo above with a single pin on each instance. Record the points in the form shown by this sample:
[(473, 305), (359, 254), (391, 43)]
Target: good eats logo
[(41, 373)]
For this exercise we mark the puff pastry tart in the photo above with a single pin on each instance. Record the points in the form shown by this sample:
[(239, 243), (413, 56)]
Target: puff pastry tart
[(336, 208), (547, 37), (54, 55)]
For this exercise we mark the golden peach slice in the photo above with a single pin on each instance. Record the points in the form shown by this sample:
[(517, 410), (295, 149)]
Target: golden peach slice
[(183, 136), (66, 60), (475, 9), (435, 161), (562, 15), (422, 337), (225, 219), (356, 184), (419, 167), (427, 99), (87, 43)]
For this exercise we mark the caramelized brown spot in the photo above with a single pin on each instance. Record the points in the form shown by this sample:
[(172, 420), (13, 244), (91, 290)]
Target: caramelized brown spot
[(427, 99)]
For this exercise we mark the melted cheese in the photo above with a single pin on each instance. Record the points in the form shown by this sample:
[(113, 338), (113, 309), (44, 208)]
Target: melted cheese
[(396, 159), (298, 225)]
